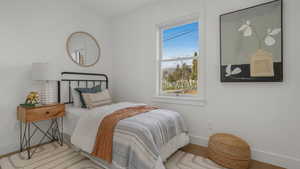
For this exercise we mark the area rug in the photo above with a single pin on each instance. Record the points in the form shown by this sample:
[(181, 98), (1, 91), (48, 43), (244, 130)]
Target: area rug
[(54, 156)]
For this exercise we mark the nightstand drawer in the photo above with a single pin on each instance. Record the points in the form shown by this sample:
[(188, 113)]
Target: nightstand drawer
[(41, 113)]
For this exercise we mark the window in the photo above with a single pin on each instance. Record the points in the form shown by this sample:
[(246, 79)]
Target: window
[(179, 59)]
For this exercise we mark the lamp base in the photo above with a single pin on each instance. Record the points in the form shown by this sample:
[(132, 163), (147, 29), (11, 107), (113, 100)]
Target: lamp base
[(48, 93)]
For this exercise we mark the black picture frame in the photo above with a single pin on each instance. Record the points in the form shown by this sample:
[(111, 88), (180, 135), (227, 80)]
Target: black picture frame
[(278, 77)]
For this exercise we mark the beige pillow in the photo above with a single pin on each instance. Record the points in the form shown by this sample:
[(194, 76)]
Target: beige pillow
[(97, 99)]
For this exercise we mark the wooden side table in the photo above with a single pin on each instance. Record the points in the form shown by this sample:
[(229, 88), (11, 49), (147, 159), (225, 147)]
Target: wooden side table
[(30, 115)]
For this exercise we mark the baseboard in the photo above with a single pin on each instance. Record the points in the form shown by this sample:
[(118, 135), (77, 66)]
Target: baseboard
[(202, 141), (259, 155), (276, 159)]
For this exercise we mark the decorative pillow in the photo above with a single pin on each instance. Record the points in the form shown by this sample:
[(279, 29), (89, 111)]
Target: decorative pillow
[(76, 98), (97, 99), (87, 90)]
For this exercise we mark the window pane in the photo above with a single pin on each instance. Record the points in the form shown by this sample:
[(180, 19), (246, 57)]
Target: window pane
[(180, 41), (179, 77)]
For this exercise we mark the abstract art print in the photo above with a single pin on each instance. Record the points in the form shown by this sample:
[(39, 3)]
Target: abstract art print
[(252, 45)]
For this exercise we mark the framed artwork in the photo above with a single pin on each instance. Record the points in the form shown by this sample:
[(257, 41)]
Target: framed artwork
[(252, 44)]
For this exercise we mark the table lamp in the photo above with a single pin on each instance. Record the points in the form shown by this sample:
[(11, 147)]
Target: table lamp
[(48, 74)]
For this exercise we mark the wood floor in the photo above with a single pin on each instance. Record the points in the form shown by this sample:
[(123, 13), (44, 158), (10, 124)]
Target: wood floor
[(202, 151)]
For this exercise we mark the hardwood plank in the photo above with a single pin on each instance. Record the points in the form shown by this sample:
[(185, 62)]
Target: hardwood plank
[(202, 151)]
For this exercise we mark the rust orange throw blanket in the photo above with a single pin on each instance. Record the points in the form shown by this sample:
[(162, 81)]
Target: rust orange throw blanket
[(104, 140)]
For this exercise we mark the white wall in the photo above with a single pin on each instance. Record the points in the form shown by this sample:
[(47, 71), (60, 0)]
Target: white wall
[(36, 31), (264, 114)]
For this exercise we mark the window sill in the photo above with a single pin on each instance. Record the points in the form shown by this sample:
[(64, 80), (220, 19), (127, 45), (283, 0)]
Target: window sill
[(179, 100)]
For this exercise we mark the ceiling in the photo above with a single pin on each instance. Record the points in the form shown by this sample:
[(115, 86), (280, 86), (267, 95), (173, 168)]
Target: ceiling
[(113, 8)]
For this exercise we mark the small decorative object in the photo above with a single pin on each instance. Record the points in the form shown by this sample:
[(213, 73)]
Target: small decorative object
[(251, 44), (48, 75), (32, 99), (229, 151)]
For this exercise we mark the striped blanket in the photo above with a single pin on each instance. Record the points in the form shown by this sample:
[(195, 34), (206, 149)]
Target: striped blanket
[(104, 141), (137, 140)]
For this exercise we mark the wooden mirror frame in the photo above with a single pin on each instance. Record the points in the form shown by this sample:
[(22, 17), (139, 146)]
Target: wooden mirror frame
[(91, 36)]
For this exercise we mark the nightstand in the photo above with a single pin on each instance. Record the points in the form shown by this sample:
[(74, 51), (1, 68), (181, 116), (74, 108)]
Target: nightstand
[(31, 115)]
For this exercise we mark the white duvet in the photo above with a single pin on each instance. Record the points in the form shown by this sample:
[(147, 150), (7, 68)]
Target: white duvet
[(85, 133)]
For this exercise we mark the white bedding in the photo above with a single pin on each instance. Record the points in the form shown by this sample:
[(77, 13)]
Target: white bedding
[(73, 115), (71, 118), (166, 151), (85, 133), (84, 140)]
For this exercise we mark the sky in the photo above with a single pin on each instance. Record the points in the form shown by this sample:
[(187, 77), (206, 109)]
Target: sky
[(180, 41)]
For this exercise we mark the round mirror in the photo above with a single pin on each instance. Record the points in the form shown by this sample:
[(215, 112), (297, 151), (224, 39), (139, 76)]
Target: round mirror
[(83, 49)]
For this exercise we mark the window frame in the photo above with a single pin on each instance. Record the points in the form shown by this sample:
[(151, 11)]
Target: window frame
[(197, 99)]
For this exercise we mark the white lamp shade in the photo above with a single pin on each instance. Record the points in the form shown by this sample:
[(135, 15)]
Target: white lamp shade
[(44, 72)]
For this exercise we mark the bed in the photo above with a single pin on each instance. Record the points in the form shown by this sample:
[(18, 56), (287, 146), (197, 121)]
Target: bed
[(130, 150)]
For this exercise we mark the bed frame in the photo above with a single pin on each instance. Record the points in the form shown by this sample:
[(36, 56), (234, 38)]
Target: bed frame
[(100, 79)]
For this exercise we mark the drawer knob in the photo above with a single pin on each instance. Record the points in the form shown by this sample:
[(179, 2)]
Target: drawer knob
[(47, 112)]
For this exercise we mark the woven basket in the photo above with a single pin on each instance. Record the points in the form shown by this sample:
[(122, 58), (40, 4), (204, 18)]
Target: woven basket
[(229, 151)]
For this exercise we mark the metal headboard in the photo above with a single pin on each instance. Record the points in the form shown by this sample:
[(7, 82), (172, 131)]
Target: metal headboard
[(103, 78)]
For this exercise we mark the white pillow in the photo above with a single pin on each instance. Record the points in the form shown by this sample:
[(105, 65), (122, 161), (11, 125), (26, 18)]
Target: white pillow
[(76, 98), (97, 99)]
